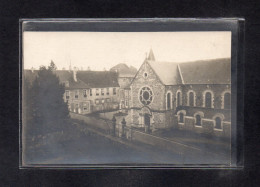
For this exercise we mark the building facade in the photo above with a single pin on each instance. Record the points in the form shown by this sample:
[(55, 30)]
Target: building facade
[(193, 96)]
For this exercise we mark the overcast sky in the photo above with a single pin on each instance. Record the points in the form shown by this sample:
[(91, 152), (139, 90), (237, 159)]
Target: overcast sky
[(100, 50)]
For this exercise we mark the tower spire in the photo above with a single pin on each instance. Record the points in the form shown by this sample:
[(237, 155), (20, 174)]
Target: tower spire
[(151, 55)]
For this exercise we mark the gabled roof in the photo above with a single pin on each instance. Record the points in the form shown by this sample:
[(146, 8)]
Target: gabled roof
[(98, 79), (166, 71), (217, 71), (123, 70)]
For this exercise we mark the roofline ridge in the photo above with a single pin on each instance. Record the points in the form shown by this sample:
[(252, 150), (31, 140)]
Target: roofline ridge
[(179, 69)]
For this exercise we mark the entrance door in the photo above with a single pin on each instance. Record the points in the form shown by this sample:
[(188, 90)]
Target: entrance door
[(147, 121)]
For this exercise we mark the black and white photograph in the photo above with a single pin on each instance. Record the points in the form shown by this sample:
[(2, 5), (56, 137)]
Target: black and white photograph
[(116, 99)]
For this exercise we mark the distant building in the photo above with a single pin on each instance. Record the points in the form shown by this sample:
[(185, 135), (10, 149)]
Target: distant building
[(86, 91), (125, 76), (194, 96)]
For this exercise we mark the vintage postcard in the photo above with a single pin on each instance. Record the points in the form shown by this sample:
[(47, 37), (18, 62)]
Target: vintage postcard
[(116, 99)]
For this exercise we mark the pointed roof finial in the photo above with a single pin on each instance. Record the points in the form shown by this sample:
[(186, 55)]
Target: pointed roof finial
[(151, 55)]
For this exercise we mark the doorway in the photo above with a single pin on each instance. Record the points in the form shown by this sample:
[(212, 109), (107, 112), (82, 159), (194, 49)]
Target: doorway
[(147, 122)]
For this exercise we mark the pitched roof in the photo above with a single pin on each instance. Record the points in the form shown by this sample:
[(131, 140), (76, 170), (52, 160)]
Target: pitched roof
[(64, 75), (217, 71), (123, 70), (167, 72), (77, 85), (98, 79)]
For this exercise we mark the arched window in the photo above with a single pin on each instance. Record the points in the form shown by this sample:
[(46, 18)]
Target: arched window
[(191, 99), (168, 101), (198, 120), (181, 119), (208, 100), (218, 123), (227, 100), (178, 98)]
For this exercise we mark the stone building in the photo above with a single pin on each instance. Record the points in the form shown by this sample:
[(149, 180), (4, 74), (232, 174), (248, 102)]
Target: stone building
[(86, 91), (194, 96), (125, 77)]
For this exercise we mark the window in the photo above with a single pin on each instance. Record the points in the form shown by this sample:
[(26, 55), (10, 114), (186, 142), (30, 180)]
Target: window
[(76, 94), (97, 92), (85, 106), (181, 118), (108, 100), (126, 103), (67, 94), (198, 120), (178, 98), (218, 123), (146, 95), (114, 91), (168, 101), (208, 100), (191, 99), (102, 91), (107, 91), (97, 101), (90, 92), (227, 101), (145, 75), (84, 93)]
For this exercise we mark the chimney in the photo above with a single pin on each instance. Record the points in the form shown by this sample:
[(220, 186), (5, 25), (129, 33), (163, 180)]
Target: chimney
[(75, 74), (32, 69)]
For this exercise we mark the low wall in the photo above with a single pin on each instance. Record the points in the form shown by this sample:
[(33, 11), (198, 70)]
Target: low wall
[(170, 145)]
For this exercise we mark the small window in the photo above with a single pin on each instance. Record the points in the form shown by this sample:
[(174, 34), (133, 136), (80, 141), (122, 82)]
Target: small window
[(90, 92), (107, 91), (198, 120), (76, 94), (85, 93), (145, 74), (114, 91), (181, 118), (218, 123), (97, 92), (67, 94)]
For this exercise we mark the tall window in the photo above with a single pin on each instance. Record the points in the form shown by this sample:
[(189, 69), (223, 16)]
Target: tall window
[(227, 101), (181, 119), (168, 100), (102, 91), (97, 92), (198, 120), (114, 91), (218, 123), (107, 91), (191, 99), (178, 98), (84, 93), (90, 92), (208, 98), (76, 94)]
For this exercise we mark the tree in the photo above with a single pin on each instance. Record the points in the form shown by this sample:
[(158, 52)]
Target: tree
[(49, 112)]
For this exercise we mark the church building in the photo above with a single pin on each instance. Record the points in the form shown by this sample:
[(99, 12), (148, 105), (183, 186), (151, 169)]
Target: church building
[(192, 96)]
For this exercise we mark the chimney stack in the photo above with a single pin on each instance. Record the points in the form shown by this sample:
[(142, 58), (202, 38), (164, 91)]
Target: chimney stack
[(75, 74)]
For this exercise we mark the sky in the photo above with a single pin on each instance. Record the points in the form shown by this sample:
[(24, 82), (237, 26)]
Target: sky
[(99, 50)]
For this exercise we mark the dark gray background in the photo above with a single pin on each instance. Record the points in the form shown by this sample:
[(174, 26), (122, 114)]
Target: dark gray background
[(10, 13)]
